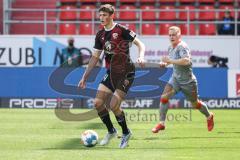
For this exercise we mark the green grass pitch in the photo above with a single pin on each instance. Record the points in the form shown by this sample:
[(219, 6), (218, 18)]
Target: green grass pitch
[(37, 134)]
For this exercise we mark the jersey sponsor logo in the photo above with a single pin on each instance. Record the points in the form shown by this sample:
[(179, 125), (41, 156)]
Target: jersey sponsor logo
[(108, 46)]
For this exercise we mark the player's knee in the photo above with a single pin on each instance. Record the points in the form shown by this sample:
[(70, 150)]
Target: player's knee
[(197, 104), (98, 104), (115, 105), (115, 109), (164, 100)]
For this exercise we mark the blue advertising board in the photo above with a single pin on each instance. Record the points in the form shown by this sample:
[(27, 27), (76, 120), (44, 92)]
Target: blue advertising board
[(52, 82)]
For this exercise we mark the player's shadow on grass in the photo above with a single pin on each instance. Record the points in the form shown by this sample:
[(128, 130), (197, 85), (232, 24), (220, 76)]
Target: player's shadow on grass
[(75, 144), (91, 126), (72, 144)]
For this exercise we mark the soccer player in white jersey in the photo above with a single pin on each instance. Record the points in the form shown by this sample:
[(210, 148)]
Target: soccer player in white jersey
[(182, 79)]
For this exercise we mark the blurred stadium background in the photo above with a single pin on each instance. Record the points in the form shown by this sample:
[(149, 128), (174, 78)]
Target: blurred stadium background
[(34, 32), (32, 35), (146, 17)]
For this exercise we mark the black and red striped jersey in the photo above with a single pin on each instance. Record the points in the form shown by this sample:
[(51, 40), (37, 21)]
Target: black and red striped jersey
[(116, 40)]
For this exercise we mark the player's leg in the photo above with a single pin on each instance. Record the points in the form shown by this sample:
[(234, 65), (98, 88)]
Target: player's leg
[(202, 107), (191, 93), (168, 92), (122, 76), (101, 98), (120, 116), (115, 103), (121, 89)]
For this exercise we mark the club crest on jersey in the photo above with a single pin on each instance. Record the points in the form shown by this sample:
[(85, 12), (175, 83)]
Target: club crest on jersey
[(115, 35)]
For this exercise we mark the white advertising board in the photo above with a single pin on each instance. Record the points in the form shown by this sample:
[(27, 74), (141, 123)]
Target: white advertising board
[(44, 51), (201, 48)]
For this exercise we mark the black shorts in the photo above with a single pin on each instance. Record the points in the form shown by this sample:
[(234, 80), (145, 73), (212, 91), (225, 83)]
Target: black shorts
[(115, 81)]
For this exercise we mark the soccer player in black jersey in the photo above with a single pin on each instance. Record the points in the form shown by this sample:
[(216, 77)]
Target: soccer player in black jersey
[(114, 40)]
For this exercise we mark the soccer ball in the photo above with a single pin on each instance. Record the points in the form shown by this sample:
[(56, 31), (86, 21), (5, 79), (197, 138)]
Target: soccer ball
[(89, 138)]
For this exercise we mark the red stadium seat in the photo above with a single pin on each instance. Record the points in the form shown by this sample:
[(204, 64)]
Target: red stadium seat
[(225, 8), (184, 29), (108, 1), (67, 13), (167, 13), (149, 29), (163, 28), (34, 29), (205, 14), (34, 4), (207, 29), (32, 15), (88, 1), (147, 1), (128, 13), (68, 1), (206, 1), (226, 1), (87, 12), (183, 15), (186, 1), (85, 29), (97, 28), (146, 14), (67, 29), (128, 1), (130, 26), (167, 1)]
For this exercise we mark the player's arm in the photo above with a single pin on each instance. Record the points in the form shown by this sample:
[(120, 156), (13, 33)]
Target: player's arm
[(92, 63), (141, 51), (182, 61), (163, 64)]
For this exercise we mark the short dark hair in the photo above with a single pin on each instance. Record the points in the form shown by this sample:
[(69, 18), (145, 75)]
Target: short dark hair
[(107, 8)]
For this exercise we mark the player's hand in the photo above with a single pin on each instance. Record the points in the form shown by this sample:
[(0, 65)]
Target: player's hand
[(82, 83), (163, 64), (141, 62), (166, 59)]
